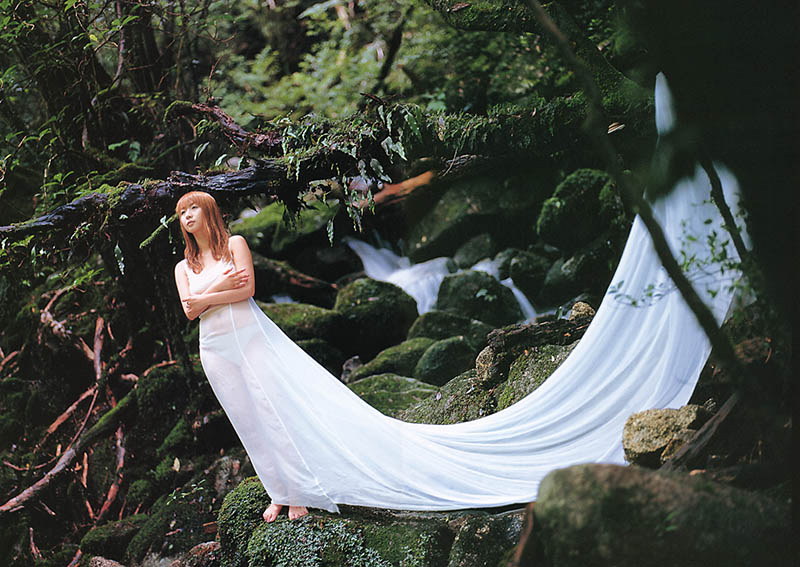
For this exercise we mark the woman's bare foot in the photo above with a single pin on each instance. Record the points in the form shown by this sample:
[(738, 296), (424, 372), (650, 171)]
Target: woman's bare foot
[(272, 512), (297, 512)]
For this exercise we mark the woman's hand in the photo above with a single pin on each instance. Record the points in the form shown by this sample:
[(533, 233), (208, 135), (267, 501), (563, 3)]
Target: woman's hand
[(194, 305), (233, 279)]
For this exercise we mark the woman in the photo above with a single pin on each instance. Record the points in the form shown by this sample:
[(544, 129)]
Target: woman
[(217, 270)]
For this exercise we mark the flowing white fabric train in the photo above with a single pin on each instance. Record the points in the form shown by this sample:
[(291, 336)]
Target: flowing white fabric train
[(315, 443)]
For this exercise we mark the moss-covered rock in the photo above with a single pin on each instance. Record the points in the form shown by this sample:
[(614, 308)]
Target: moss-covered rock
[(598, 515), (479, 296), (399, 359), (175, 522), (528, 271), (300, 321), (372, 538), (378, 315), (272, 232), (530, 370), (390, 393), (461, 399), (238, 518), (160, 396), (444, 359), (474, 206), (111, 539), (323, 352), (178, 441), (648, 434), (486, 539), (570, 217), (437, 324), (475, 249)]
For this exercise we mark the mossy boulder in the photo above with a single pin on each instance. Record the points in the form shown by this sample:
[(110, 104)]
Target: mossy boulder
[(161, 396), (272, 231), (390, 393), (362, 537), (487, 539), (378, 315), (444, 359), (437, 324), (570, 219), (326, 354), (300, 321), (461, 399), (473, 206), (399, 359), (599, 515), (528, 271), (111, 539), (475, 249), (650, 436), (530, 370), (238, 518), (479, 296)]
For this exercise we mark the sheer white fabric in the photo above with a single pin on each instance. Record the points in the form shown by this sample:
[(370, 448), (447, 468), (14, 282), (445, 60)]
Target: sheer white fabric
[(314, 443)]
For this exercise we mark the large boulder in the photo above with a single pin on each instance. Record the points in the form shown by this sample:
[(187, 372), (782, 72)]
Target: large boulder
[(528, 271), (399, 359), (572, 216), (473, 206), (475, 249), (530, 370), (390, 393), (361, 537), (300, 321), (650, 437), (600, 515), (274, 233), (326, 354), (437, 324), (461, 399), (443, 360), (509, 343), (378, 315), (111, 539), (479, 296)]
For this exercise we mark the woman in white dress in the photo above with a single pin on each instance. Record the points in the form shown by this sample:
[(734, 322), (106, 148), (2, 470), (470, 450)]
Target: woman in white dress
[(217, 270), (314, 443)]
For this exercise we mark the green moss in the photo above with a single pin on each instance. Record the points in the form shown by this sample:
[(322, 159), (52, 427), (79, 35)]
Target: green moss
[(569, 218), (437, 324), (139, 492), (444, 359), (238, 517), (178, 440), (461, 399), (111, 540), (390, 393), (399, 359), (175, 522), (300, 321), (274, 230), (529, 371), (480, 296), (378, 314)]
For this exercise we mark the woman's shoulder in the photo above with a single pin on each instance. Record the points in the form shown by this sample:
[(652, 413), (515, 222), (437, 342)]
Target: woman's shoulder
[(236, 240), (181, 266)]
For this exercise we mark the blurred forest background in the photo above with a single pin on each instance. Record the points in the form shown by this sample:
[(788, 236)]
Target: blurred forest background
[(109, 110)]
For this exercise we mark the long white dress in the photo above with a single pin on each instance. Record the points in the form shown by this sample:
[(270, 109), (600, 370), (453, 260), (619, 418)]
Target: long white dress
[(315, 443)]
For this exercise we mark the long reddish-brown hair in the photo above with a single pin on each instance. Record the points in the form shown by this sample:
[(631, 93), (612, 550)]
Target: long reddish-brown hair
[(217, 231)]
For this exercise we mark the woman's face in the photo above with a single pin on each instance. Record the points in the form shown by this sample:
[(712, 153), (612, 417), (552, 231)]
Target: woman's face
[(192, 218)]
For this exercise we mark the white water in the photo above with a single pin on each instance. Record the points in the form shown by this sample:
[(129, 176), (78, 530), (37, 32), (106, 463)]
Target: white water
[(421, 281)]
